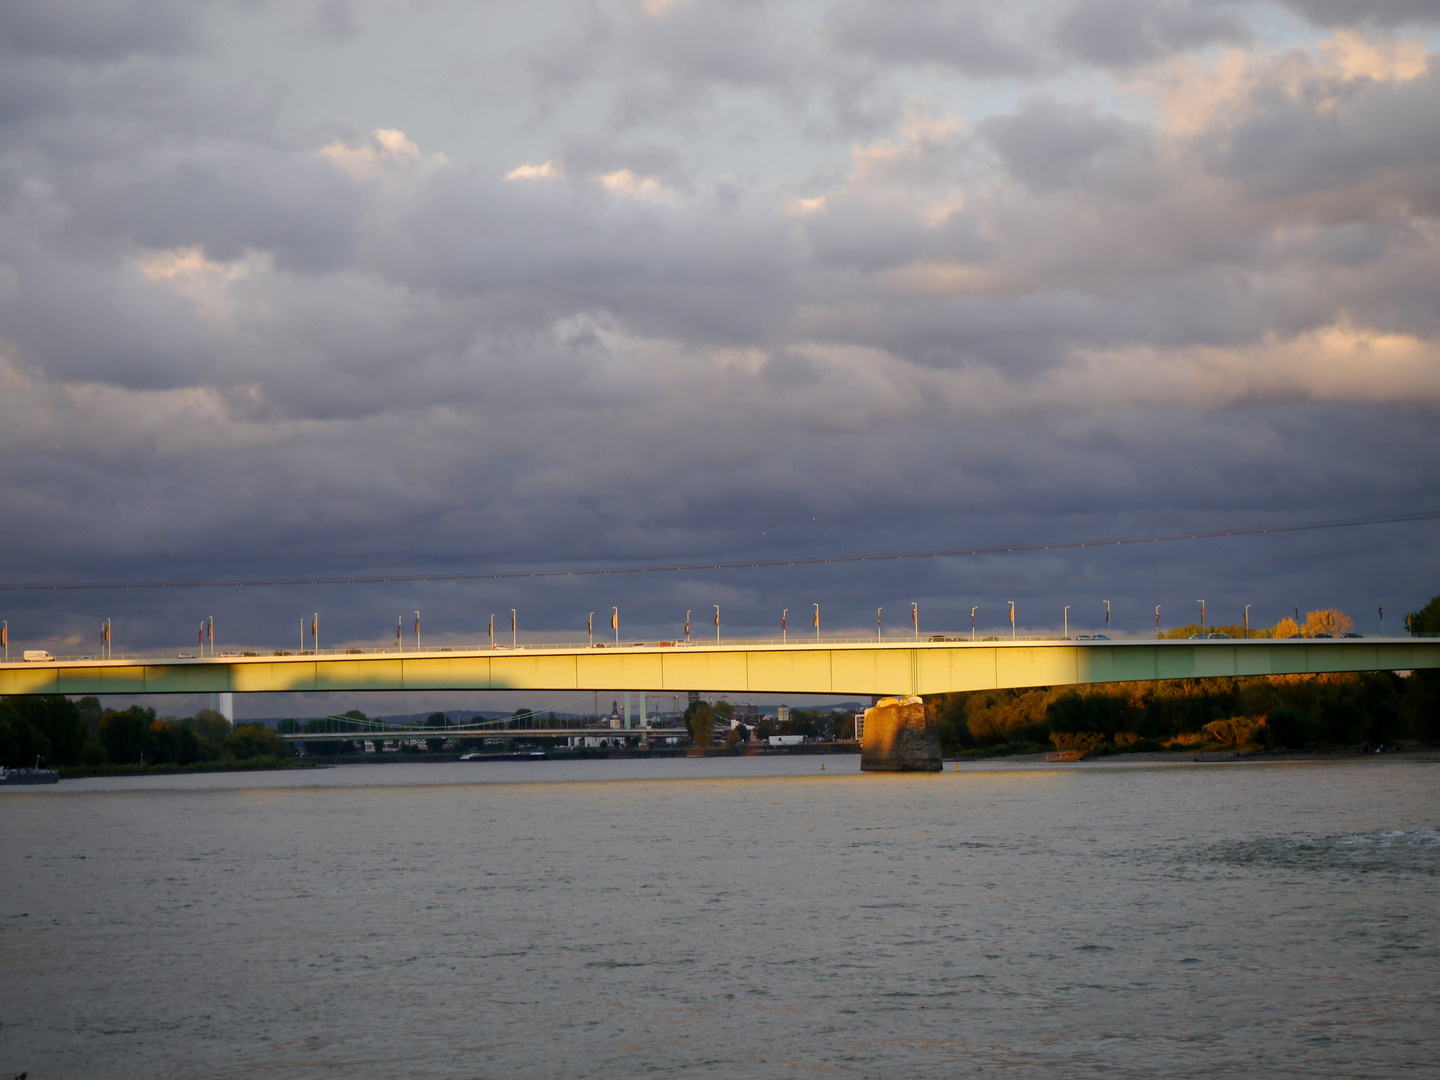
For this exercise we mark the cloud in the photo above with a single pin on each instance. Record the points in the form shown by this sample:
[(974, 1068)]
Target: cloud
[(1362, 12), (105, 31), (1042, 289), (546, 170), (962, 36), (1123, 33)]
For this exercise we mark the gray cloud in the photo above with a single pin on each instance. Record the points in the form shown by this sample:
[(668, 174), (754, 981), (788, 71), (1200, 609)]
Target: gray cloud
[(98, 31), (237, 342), (1121, 33), (1362, 12), (964, 36)]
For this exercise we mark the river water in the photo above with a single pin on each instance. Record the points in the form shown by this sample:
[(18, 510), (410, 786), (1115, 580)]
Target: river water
[(750, 917)]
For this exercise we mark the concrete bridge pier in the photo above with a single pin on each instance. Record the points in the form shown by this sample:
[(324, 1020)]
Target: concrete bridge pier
[(899, 738)]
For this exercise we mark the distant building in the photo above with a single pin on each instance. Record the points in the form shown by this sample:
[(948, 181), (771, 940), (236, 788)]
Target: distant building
[(785, 740), (783, 714), (859, 726)]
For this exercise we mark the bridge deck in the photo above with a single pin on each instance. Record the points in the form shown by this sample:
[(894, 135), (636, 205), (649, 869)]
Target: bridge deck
[(848, 669)]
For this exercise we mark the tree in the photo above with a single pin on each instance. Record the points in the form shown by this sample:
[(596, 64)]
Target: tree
[(256, 740), (211, 726), (1427, 619), (126, 735), (700, 719), (20, 742), (1326, 621), (55, 719), (1285, 628)]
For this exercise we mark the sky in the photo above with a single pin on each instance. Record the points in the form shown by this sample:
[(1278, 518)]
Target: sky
[(425, 288)]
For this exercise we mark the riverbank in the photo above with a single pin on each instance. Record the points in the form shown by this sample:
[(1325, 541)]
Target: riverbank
[(1318, 754), (78, 772)]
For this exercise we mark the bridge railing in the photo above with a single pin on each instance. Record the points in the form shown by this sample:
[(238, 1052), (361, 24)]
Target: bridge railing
[(898, 640)]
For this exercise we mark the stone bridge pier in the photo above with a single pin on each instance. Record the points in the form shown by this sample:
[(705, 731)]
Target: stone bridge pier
[(899, 737)]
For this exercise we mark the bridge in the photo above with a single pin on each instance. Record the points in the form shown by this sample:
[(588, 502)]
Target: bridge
[(351, 728), (860, 668)]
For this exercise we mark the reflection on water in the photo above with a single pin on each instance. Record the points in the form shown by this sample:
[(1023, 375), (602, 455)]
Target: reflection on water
[(723, 917)]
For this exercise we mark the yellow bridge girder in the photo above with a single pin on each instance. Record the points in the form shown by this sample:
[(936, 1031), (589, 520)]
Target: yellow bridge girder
[(852, 668)]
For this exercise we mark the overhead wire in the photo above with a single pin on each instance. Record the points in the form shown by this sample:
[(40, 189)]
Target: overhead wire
[(739, 564)]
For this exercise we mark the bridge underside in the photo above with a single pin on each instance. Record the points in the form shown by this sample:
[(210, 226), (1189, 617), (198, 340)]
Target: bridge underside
[(842, 669)]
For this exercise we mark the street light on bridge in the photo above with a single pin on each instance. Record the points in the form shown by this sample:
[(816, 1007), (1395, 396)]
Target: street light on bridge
[(915, 619), (878, 627), (1202, 615), (972, 622), (784, 634), (1012, 620), (1067, 622), (1247, 620)]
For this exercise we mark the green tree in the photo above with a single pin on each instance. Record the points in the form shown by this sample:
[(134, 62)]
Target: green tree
[(20, 742), (256, 740), (1427, 619), (211, 726), (126, 735), (700, 719), (56, 720)]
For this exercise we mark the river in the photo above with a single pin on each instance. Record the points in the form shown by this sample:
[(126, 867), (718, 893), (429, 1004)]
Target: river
[(750, 917)]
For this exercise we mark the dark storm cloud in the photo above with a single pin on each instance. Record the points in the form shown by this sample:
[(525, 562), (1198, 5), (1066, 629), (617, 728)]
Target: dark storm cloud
[(1362, 12), (1120, 33), (98, 29), (228, 345), (963, 36), (1049, 145), (1384, 138)]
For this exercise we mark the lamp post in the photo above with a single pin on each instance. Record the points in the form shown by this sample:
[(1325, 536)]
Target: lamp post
[(972, 623), (399, 630), (210, 635), (1157, 620), (417, 631), (1012, 620), (915, 619), (717, 624), (590, 628), (817, 624), (1067, 622), (1202, 615), (687, 627), (314, 633), (615, 624), (5, 638), (1247, 621), (784, 633), (1382, 617), (878, 628), (1107, 616), (514, 634), (492, 631)]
